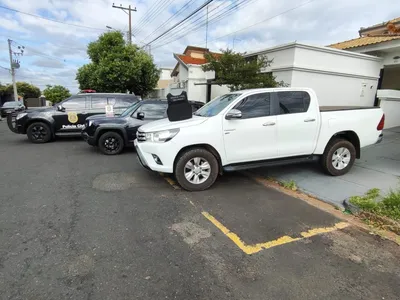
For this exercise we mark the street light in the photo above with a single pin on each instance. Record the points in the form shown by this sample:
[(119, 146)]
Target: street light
[(109, 27)]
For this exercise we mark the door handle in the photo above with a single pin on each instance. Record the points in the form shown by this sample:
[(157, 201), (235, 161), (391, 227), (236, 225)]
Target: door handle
[(309, 120), (269, 124)]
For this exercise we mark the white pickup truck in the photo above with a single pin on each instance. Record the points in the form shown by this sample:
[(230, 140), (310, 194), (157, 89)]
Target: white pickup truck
[(257, 128)]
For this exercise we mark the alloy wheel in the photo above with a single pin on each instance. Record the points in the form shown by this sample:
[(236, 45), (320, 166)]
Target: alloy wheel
[(341, 158), (197, 170)]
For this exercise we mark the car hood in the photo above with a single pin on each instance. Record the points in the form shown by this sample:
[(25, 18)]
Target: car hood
[(108, 120), (96, 117), (165, 124), (38, 109)]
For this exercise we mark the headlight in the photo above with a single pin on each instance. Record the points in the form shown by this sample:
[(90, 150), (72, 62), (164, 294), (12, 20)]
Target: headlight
[(90, 123), (162, 136), (19, 116)]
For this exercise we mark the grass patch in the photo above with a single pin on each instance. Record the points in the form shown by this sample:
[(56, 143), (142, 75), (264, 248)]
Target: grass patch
[(372, 201), (291, 185), (380, 211)]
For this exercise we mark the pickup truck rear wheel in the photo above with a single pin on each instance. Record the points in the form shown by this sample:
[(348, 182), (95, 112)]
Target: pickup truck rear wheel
[(39, 133), (111, 143), (339, 157), (196, 169)]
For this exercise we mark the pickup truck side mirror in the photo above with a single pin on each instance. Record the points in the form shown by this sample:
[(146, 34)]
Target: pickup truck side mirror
[(60, 108), (140, 115), (233, 114)]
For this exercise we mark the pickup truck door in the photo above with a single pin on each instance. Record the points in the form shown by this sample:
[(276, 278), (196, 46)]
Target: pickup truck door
[(253, 136), (297, 122)]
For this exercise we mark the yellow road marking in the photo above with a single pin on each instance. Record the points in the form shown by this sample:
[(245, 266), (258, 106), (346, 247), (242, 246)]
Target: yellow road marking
[(170, 181), (251, 249)]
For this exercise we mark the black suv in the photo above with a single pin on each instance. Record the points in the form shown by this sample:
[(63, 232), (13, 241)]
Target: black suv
[(67, 117), (112, 134)]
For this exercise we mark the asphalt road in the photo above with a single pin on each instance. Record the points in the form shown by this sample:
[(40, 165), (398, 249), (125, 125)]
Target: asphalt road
[(75, 224)]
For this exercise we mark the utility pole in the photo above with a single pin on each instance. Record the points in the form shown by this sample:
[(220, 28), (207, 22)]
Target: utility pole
[(207, 28), (12, 71), (129, 13)]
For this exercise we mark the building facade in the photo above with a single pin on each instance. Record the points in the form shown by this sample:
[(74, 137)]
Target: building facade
[(382, 41)]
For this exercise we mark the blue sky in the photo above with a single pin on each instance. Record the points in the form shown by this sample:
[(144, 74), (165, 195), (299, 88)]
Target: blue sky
[(54, 51)]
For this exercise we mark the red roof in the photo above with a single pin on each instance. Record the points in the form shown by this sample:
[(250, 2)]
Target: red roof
[(195, 61), (191, 60)]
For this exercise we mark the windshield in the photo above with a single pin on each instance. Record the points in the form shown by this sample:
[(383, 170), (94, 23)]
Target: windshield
[(11, 104), (130, 109), (214, 107)]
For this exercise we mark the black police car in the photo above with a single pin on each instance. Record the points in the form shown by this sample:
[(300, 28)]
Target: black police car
[(67, 117), (112, 134)]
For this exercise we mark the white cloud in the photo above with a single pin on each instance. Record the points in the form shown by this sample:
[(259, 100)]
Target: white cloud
[(320, 22), (48, 63)]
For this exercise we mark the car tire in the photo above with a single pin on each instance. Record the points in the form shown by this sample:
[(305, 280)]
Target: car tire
[(39, 133), (196, 169), (111, 143), (339, 157)]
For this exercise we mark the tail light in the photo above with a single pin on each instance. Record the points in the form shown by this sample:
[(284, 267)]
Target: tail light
[(381, 123)]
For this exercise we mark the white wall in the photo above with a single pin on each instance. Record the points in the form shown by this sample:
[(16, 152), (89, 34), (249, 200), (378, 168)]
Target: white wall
[(334, 90), (183, 73), (390, 104), (281, 57), (285, 76), (165, 74), (218, 90), (389, 58), (333, 60), (338, 77), (199, 92)]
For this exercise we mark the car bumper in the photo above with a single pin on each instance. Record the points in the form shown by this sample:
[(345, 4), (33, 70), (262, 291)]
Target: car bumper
[(148, 152), (88, 139), (380, 138)]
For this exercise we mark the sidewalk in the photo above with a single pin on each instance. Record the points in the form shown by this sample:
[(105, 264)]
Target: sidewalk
[(379, 167)]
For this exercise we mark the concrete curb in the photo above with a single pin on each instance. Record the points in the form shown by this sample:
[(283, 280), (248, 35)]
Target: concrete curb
[(354, 209)]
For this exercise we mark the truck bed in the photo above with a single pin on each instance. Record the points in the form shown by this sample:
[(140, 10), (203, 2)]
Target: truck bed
[(339, 108)]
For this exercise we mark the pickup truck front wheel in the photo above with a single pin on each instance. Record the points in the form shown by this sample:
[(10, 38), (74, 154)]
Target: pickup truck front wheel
[(339, 157), (111, 143), (196, 169)]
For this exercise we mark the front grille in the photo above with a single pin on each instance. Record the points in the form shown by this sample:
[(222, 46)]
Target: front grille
[(140, 136)]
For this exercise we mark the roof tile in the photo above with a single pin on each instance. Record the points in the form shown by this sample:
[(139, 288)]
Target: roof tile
[(364, 41)]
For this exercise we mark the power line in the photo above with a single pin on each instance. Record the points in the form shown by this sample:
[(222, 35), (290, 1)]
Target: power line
[(175, 14), (265, 20), (43, 41), (145, 16), (153, 15), (52, 20), (180, 22), (191, 27), (213, 18), (244, 28), (38, 53)]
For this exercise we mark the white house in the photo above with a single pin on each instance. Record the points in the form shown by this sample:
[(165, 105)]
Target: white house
[(188, 76), (163, 82), (383, 41), (338, 77)]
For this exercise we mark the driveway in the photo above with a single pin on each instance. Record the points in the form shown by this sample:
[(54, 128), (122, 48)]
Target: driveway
[(75, 224), (379, 167)]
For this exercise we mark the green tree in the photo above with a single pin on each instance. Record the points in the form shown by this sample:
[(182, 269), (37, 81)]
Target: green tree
[(118, 67), (56, 93), (26, 90), (238, 72)]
